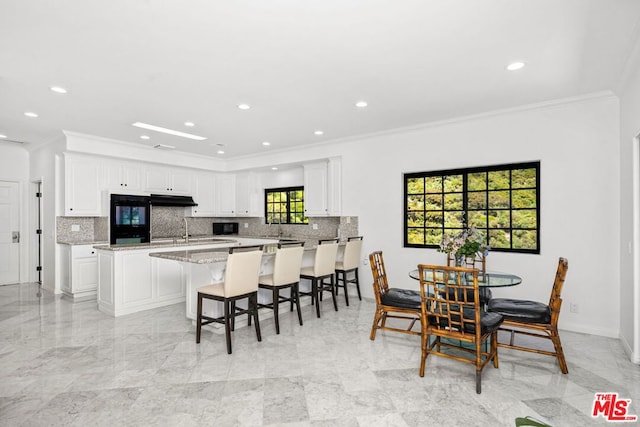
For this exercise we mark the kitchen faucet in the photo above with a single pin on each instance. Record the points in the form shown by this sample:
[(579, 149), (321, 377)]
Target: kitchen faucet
[(186, 230)]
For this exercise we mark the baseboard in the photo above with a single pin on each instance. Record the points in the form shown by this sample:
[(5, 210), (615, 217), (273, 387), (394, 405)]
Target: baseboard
[(634, 357)]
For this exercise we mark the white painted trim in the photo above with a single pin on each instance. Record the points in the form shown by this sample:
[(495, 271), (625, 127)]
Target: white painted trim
[(635, 354)]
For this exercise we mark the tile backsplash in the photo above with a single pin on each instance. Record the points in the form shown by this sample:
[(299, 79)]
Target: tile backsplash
[(168, 221)]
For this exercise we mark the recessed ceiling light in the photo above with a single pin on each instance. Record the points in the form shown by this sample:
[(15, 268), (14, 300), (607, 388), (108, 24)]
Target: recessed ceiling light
[(3, 136), (515, 66), (318, 132), (58, 89), (164, 147), (274, 168), (220, 152), (361, 104), (30, 114), (145, 137), (266, 143), (169, 131), (244, 106), (189, 124)]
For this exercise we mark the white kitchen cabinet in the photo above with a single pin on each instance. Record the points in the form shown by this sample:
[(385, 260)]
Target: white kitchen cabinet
[(248, 195), (315, 189), (82, 186), (226, 195), (204, 190), (79, 271), (122, 177), (334, 186), (167, 181)]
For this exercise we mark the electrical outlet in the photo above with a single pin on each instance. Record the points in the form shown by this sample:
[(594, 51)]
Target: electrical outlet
[(574, 308), (365, 261), (315, 226), (75, 227), (246, 225)]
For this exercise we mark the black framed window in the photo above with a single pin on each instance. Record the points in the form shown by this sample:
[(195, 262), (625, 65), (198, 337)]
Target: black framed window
[(502, 202), (284, 206)]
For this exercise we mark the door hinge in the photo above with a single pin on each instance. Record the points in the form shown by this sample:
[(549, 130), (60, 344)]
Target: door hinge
[(38, 231), (38, 194), (39, 268)]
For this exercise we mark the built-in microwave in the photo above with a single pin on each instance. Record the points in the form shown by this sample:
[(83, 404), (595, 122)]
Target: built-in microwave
[(225, 228)]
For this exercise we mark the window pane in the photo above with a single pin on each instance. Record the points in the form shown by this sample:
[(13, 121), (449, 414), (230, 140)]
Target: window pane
[(499, 219), (434, 219), (525, 218), (452, 183), (498, 199), (499, 239), (523, 178), (415, 219), (434, 201), (453, 219), (477, 219), (453, 201), (499, 180), (285, 206), (415, 236), (477, 200), (523, 198), (433, 184), (415, 185), (433, 236), (525, 239), (415, 203), (477, 181)]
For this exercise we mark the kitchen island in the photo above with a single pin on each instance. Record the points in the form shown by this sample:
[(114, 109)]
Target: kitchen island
[(203, 266), (130, 280)]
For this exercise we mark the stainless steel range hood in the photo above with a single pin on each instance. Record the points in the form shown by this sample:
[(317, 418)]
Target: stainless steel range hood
[(168, 200)]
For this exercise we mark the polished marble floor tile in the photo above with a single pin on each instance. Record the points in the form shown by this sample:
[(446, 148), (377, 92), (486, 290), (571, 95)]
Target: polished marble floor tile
[(67, 364)]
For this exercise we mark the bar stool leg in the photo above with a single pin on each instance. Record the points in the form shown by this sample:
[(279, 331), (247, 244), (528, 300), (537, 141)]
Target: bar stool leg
[(295, 293), (227, 326), (276, 303), (199, 319)]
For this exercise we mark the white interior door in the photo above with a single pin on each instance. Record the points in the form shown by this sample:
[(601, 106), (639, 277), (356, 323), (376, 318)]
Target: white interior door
[(9, 232)]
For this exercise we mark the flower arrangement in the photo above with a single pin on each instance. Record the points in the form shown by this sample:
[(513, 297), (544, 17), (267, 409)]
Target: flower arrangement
[(467, 242)]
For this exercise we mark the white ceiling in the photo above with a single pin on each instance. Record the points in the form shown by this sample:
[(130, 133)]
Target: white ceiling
[(300, 64)]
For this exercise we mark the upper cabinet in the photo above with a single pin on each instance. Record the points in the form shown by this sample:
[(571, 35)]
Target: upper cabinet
[(82, 186), (315, 189), (322, 188), (204, 190), (248, 195), (226, 195), (163, 180), (121, 176)]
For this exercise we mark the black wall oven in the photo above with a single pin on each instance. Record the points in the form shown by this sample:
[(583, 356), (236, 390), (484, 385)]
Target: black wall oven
[(225, 228), (130, 219)]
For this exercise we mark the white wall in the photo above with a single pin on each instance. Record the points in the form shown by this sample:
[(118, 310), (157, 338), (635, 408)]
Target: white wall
[(629, 290), (577, 144), (14, 167)]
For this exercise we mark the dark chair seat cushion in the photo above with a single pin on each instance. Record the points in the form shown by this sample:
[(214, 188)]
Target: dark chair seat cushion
[(521, 310), (484, 292), (489, 322), (402, 298)]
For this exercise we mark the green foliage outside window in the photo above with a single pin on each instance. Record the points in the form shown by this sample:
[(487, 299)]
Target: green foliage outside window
[(501, 202), (285, 206)]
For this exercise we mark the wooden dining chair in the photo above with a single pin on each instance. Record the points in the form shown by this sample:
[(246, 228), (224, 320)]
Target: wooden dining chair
[(535, 319), (478, 261), (452, 316), (391, 303)]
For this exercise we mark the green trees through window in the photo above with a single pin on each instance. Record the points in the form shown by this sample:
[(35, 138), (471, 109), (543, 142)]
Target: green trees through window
[(502, 202), (285, 206)]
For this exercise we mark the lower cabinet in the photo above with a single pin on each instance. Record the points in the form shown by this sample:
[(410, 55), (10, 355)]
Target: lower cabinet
[(79, 271)]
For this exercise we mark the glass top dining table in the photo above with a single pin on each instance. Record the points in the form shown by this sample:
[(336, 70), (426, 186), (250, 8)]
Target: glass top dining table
[(490, 279)]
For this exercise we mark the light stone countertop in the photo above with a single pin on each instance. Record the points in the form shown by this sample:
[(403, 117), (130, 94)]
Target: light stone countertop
[(209, 256), (82, 242), (164, 243)]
